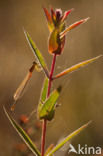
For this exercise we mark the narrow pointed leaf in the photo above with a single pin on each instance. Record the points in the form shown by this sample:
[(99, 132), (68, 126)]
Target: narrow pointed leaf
[(73, 26), (43, 93), (53, 15), (48, 107), (49, 20), (77, 66), (66, 13), (68, 138), (37, 54), (23, 135)]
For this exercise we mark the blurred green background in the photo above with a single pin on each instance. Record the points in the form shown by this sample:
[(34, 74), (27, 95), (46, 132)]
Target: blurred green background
[(82, 96)]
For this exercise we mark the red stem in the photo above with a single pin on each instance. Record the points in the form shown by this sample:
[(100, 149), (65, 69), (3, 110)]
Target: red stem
[(43, 137), (51, 74), (48, 93)]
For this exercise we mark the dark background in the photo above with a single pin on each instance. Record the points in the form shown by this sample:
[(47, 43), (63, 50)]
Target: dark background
[(82, 96)]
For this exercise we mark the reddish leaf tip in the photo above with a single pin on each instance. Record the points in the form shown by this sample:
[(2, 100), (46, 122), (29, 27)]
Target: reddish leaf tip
[(73, 26), (86, 19), (47, 14), (66, 13)]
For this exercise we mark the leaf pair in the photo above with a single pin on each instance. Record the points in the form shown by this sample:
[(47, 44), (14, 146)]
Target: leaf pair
[(46, 107)]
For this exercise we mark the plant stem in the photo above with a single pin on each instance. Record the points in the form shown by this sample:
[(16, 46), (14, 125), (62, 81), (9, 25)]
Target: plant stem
[(48, 93), (51, 74), (43, 137)]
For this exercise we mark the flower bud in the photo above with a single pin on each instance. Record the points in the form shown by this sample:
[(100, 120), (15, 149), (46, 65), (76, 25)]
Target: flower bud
[(56, 23)]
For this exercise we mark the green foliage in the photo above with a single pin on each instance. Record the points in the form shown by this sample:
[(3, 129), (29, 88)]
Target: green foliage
[(23, 135), (44, 90), (48, 107), (68, 138), (43, 94), (37, 54)]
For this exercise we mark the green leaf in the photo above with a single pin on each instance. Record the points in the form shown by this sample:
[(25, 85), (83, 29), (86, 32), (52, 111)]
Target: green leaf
[(37, 54), (44, 90), (43, 93), (23, 135), (77, 66), (68, 138), (48, 107)]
